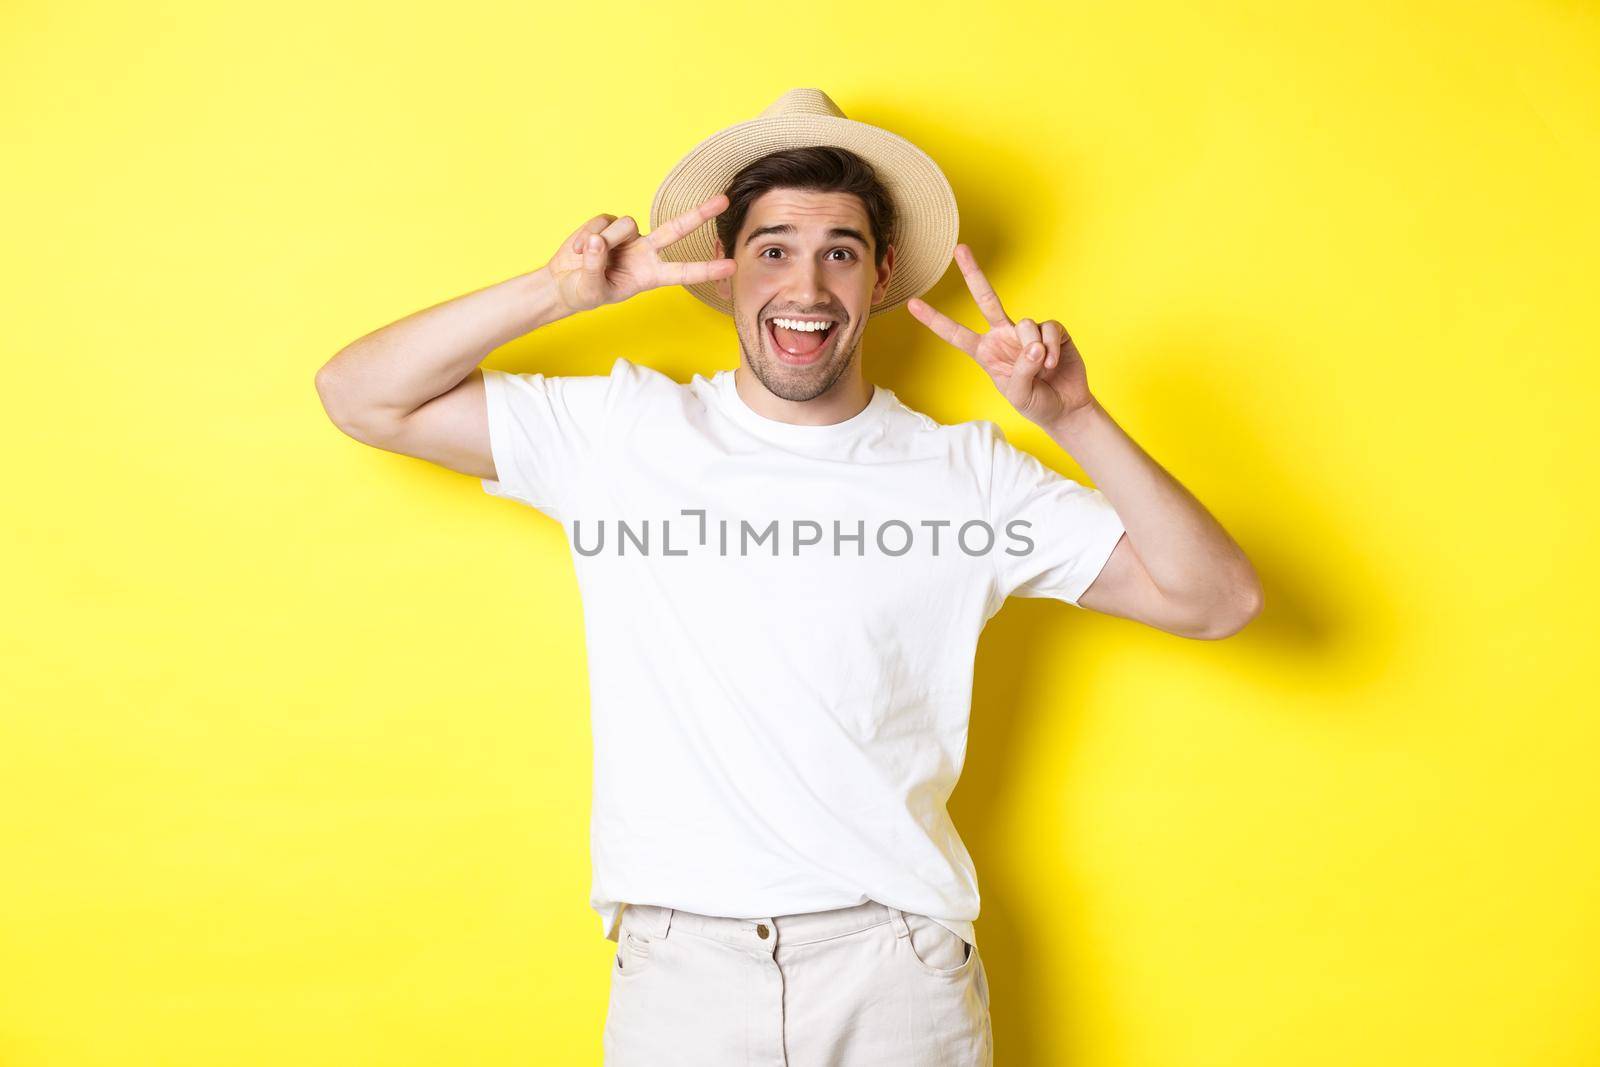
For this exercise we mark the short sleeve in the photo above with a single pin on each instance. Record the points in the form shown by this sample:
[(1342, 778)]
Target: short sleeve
[(543, 431), (1052, 535)]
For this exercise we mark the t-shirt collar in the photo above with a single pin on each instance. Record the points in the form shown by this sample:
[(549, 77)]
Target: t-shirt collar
[(793, 433)]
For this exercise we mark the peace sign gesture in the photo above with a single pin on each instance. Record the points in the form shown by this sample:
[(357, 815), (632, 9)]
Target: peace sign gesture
[(1038, 369), (606, 260)]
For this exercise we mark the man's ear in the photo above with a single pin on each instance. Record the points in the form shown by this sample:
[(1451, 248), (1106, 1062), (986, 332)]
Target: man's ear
[(723, 285), (884, 273)]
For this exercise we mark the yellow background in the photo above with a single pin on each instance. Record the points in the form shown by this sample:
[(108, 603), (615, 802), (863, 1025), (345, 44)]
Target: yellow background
[(295, 752)]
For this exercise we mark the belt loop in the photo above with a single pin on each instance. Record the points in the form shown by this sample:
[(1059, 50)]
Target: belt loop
[(664, 923), (898, 917)]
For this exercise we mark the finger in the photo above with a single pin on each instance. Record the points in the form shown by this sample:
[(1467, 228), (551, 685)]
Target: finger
[(581, 234), (1020, 385), (1028, 334), (1052, 332), (982, 291), (594, 256), (943, 325), (694, 273), (677, 228), (620, 231), (594, 225)]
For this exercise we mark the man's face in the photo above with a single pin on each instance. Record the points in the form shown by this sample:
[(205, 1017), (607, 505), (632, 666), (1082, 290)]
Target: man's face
[(819, 268)]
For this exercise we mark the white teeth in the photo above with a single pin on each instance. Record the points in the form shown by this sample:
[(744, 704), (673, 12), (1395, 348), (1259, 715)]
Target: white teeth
[(806, 327)]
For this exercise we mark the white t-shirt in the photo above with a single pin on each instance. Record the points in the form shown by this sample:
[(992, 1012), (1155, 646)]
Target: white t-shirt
[(781, 623)]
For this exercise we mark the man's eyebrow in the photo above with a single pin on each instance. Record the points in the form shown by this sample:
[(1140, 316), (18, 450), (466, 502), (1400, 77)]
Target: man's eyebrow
[(787, 228)]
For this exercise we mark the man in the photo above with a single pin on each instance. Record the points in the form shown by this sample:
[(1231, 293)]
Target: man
[(784, 573)]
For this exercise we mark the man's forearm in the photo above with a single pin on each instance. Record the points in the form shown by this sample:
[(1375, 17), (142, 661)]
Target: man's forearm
[(391, 372), (1188, 554)]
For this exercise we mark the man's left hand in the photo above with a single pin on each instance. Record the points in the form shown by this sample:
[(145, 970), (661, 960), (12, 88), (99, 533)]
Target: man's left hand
[(1035, 365)]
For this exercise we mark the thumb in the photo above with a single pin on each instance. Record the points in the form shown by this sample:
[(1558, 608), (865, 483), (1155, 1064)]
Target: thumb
[(594, 257), (1019, 387)]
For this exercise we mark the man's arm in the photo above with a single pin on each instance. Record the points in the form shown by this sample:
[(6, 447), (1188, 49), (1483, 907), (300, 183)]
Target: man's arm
[(1176, 568), (413, 387)]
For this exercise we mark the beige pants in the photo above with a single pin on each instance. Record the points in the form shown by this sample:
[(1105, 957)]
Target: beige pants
[(868, 986)]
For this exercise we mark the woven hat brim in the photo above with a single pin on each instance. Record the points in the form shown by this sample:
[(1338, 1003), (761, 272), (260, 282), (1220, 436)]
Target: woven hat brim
[(928, 223)]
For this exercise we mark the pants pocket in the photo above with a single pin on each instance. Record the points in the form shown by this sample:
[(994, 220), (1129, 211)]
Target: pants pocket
[(634, 948), (937, 950)]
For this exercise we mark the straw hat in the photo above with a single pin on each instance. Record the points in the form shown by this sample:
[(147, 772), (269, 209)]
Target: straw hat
[(923, 199)]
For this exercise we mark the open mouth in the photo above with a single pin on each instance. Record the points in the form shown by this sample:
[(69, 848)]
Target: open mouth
[(800, 346)]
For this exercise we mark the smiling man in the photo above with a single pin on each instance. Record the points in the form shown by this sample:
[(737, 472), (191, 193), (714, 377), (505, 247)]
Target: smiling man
[(813, 266), (784, 572)]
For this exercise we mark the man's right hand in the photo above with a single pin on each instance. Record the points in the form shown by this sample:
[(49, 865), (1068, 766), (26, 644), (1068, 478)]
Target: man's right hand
[(607, 260)]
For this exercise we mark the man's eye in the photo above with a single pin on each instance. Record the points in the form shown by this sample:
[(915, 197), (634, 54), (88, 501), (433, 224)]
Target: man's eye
[(846, 251)]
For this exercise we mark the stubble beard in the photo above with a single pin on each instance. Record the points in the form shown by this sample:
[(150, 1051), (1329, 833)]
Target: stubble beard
[(797, 384)]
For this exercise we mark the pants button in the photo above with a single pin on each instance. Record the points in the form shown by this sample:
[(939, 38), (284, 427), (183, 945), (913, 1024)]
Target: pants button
[(761, 931)]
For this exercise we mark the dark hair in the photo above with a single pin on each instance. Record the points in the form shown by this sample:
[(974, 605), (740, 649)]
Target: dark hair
[(824, 168)]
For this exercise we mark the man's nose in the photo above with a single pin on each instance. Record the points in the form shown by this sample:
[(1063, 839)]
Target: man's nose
[(806, 283)]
